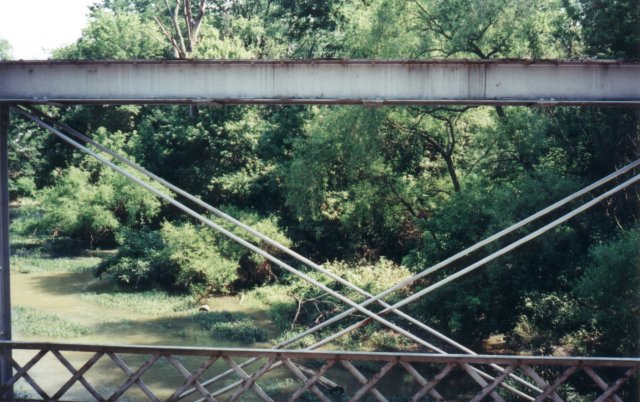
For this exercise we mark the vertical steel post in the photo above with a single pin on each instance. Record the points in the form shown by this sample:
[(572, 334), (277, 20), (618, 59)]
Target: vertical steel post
[(5, 294)]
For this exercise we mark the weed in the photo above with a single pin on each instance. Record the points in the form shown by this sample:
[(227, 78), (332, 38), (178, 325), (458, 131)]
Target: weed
[(38, 263), (151, 302), (37, 254), (28, 320), (231, 326), (274, 298)]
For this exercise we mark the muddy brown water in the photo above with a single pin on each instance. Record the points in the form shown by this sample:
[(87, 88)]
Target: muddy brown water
[(61, 293)]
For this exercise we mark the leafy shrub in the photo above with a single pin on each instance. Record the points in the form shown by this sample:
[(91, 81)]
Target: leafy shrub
[(90, 202), (253, 269), (545, 321), (22, 187), (231, 326), (92, 210), (76, 207), (189, 257), (201, 265), (139, 262), (609, 293), (315, 305), (176, 257)]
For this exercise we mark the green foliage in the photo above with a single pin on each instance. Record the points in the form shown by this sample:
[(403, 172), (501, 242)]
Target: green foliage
[(26, 149), (115, 36), (230, 326), (5, 49), (189, 257), (29, 321), (346, 188), (314, 305), (90, 209), (214, 46), (75, 207), (611, 29), (151, 302), (91, 202), (229, 136), (609, 294), (201, 265), (546, 320), (483, 303), (367, 23), (456, 29)]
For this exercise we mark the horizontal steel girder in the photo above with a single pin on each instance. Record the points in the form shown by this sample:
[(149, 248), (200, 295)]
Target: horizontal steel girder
[(369, 82)]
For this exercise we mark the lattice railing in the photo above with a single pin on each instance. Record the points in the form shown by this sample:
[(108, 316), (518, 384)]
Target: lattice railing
[(46, 371)]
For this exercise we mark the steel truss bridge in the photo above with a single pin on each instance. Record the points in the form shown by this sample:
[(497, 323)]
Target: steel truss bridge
[(216, 374)]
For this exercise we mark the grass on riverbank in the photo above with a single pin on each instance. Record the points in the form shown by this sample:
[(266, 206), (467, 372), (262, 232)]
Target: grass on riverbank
[(150, 302), (233, 326), (35, 254), (30, 321)]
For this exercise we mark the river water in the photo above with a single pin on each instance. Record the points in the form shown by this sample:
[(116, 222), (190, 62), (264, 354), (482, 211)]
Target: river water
[(64, 294), (61, 293)]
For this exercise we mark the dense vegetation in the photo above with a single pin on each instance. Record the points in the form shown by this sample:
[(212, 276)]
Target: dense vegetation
[(377, 193)]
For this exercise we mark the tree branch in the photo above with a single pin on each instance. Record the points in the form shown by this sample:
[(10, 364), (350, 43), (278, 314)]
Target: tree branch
[(174, 44), (188, 16), (176, 25)]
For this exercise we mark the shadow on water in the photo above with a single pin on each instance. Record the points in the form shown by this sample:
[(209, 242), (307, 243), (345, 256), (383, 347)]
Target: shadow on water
[(69, 283)]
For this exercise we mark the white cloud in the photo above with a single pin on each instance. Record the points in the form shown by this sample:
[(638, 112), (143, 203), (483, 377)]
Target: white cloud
[(35, 27)]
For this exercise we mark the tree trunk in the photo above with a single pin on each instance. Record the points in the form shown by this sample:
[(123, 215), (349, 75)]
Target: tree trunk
[(452, 172)]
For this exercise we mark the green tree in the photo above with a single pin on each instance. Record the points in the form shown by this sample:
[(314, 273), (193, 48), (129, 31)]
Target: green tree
[(610, 29), (351, 186), (5, 49), (115, 36), (458, 29), (220, 145)]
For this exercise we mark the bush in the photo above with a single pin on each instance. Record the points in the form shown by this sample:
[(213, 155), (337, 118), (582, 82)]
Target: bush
[(299, 303), (139, 262), (22, 187), (91, 210), (201, 267), (230, 326), (176, 257), (189, 257), (546, 320), (609, 293)]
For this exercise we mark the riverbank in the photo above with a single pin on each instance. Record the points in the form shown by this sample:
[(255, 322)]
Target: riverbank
[(57, 298)]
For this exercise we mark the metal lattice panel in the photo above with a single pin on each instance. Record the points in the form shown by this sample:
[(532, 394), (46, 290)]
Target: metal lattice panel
[(348, 375)]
